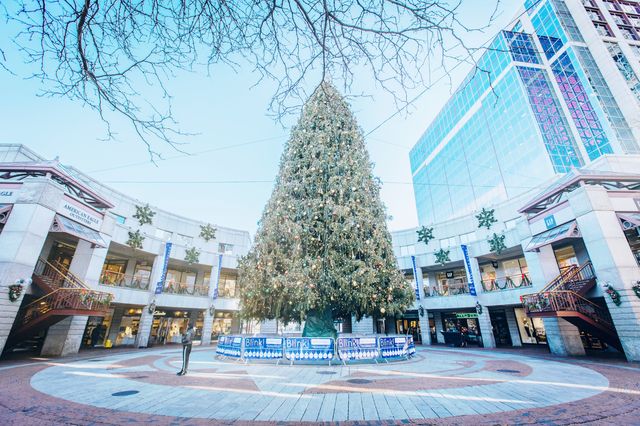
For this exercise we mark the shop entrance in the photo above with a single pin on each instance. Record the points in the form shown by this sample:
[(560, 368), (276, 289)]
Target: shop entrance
[(410, 325), (61, 255), (500, 327), (168, 326), (531, 329), (464, 324)]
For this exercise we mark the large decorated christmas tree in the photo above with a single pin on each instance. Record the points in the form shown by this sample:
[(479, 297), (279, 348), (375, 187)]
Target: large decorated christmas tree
[(322, 251)]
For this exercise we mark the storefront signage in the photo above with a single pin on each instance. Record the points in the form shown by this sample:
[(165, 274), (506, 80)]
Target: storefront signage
[(467, 265), (263, 347), (415, 277), (8, 193), (309, 348), (449, 274), (81, 214), (397, 346), (462, 315), (350, 348), (215, 288), (550, 221), (230, 346), (165, 266)]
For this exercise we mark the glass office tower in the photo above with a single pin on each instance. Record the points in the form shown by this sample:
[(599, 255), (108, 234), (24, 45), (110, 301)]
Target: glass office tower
[(554, 93)]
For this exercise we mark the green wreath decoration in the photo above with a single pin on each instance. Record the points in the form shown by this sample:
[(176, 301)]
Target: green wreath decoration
[(613, 294)]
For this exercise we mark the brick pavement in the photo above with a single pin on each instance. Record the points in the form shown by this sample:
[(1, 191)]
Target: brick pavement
[(399, 401)]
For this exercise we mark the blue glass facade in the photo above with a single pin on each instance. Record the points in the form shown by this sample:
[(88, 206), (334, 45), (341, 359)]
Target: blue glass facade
[(539, 107)]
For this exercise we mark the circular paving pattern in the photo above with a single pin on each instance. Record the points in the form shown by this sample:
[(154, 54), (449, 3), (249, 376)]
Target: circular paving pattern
[(437, 383)]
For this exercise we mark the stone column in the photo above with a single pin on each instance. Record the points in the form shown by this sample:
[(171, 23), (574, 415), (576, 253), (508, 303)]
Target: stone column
[(21, 241), (613, 261), (364, 326), (118, 313), (484, 319), (65, 337), (146, 319), (542, 266), (486, 330), (425, 330), (513, 327), (563, 337), (207, 327), (437, 319)]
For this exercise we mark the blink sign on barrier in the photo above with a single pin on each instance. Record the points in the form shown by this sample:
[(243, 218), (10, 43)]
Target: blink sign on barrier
[(309, 349), (230, 346), (263, 347), (355, 348), (399, 346)]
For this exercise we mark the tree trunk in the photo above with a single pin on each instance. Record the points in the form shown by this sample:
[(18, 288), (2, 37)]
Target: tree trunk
[(319, 324)]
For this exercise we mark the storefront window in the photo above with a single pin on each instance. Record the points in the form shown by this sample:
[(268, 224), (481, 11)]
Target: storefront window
[(227, 284), (128, 328), (531, 329), (450, 283), (221, 324), (463, 322), (566, 257)]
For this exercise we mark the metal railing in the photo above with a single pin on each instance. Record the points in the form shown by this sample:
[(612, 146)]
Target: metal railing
[(188, 289), (55, 278), (509, 282), (554, 301), (77, 299), (446, 290), (118, 279), (570, 275)]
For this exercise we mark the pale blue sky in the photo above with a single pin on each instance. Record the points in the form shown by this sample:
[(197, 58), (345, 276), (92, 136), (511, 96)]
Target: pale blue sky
[(224, 110)]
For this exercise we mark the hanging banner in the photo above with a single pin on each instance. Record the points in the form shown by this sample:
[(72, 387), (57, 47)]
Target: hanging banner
[(230, 346), (263, 347), (415, 277), (309, 348), (467, 266), (355, 348), (395, 346), (165, 266), (215, 289)]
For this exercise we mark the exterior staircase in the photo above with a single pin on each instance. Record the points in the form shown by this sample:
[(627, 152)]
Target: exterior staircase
[(564, 297), (64, 295)]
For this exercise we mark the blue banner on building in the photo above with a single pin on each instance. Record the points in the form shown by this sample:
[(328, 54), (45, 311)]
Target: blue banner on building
[(415, 277), (263, 347), (230, 346), (309, 348), (467, 266), (165, 266), (355, 348), (215, 288)]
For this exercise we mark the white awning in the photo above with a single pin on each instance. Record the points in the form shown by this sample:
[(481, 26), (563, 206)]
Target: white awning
[(68, 226), (5, 209), (629, 220), (566, 230)]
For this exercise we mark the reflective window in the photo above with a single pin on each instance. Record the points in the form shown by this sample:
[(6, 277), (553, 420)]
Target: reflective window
[(625, 68), (585, 118), (553, 127), (521, 47)]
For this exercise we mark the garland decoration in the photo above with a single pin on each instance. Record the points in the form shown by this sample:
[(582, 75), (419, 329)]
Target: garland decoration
[(613, 294)]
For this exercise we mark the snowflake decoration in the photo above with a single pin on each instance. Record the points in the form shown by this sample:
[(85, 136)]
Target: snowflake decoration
[(207, 232), (135, 240), (144, 214), (442, 256), (496, 243), (425, 234), (486, 218), (192, 255)]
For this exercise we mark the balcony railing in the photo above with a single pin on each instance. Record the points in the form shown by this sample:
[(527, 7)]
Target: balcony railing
[(188, 289), (118, 279), (509, 282), (77, 299), (228, 293), (443, 291), (557, 301)]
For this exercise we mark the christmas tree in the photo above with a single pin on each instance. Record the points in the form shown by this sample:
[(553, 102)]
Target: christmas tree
[(322, 251)]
